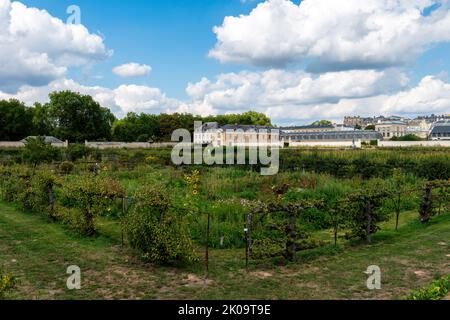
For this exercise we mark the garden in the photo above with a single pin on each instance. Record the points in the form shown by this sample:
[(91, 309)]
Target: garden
[(223, 231)]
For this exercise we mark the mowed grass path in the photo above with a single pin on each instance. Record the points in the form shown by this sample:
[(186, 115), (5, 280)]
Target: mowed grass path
[(39, 253)]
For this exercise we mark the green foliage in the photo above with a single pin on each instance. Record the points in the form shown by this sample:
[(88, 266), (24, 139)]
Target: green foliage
[(37, 151), (437, 290), (322, 123), (155, 231), (12, 182), (154, 128), (93, 195), (279, 231), (77, 117), (16, 120), (428, 205), (362, 209), (32, 191), (78, 151), (66, 167), (408, 137)]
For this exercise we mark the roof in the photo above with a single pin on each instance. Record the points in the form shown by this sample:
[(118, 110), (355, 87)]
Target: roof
[(391, 122), (334, 135), (47, 139), (307, 127), (246, 127), (441, 129)]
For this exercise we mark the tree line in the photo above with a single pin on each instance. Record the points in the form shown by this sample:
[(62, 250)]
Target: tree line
[(75, 117)]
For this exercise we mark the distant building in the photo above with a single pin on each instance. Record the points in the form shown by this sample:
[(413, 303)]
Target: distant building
[(236, 135), (357, 121), (356, 135), (391, 129), (420, 128), (311, 128), (343, 127), (206, 133), (47, 139), (246, 135), (441, 130)]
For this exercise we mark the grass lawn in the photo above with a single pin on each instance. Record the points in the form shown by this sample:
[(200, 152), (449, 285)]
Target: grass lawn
[(38, 253)]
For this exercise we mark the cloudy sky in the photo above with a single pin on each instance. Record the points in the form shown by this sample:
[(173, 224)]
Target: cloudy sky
[(296, 61)]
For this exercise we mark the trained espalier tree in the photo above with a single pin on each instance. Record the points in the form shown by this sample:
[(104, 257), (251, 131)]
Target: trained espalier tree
[(92, 195), (363, 209), (155, 230), (399, 189), (427, 206), (37, 151), (283, 237)]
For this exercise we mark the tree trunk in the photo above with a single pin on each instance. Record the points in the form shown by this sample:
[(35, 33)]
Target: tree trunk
[(369, 222), (426, 208), (291, 248), (336, 229), (398, 212), (207, 246)]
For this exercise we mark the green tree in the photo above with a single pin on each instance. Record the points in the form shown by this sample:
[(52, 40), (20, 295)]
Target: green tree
[(37, 151), (370, 127), (399, 189), (133, 127), (363, 208), (42, 125), (77, 117), (408, 137), (322, 123), (16, 120)]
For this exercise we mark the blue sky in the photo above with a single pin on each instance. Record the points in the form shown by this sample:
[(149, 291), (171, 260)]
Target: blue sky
[(295, 61), (173, 37)]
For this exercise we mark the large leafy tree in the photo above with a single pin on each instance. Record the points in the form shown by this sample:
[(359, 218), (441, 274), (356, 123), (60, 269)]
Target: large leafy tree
[(142, 128), (77, 117), (42, 125), (16, 120)]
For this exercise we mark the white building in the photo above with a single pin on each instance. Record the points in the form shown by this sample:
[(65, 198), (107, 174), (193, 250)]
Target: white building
[(206, 133), (391, 129)]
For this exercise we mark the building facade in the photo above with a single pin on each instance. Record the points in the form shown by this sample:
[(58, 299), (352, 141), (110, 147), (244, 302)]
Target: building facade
[(441, 130), (391, 129), (357, 135), (236, 135)]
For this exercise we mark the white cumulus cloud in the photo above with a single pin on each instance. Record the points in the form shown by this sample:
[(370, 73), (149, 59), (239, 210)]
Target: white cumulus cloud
[(287, 97), (132, 69), (37, 48), (333, 35)]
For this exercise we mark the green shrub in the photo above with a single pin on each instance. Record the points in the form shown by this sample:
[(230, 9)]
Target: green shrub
[(93, 195), (77, 151), (38, 194), (66, 167), (37, 151), (155, 231), (12, 182), (438, 290)]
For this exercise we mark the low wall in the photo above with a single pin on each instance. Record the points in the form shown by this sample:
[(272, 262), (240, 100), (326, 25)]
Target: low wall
[(125, 145), (326, 144), (406, 144), (18, 144)]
